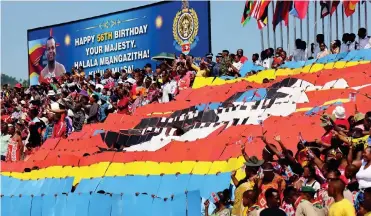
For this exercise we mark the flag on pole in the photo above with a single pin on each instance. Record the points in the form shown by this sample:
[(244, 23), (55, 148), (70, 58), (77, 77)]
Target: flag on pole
[(246, 12), (299, 8), (281, 12), (334, 5), (350, 7), (325, 8), (259, 11)]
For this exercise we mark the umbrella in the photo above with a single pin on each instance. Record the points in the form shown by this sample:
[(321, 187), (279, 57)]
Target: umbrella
[(163, 56)]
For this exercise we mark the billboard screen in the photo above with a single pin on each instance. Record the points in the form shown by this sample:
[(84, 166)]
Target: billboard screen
[(121, 40)]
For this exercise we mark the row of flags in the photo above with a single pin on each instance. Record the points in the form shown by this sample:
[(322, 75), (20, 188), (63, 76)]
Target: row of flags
[(258, 9)]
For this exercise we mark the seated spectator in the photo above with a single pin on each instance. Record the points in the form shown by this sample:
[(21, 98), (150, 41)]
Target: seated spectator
[(241, 56), (344, 45), (255, 59), (298, 54), (352, 43), (364, 40), (323, 51), (335, 47), (234, 68)]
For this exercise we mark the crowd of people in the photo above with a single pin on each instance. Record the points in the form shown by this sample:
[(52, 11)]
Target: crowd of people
[(327, 176)]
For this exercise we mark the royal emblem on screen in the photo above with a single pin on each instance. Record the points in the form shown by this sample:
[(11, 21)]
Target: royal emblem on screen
[(185, 28)]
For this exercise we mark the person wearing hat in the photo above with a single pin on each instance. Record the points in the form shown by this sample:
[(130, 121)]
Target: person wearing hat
[(339, 113), (251, 168), (215, 72), (302, 206)]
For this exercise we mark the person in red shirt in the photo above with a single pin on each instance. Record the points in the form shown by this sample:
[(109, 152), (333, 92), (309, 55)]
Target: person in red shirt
[(242, 57), (339, 113)]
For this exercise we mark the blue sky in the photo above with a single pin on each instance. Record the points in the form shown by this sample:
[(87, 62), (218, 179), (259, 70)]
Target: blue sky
[(226, 30)]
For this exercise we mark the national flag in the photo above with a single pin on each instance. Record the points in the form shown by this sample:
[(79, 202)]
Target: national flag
[(350, 7), (299, 9), (260, 12), (334, 6), (325, 8), (281, 12), (246, 12), (259, 9)]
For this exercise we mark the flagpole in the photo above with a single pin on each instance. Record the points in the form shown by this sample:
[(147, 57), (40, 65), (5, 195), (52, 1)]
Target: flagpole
[(315, 19), (288, 37), (365, 15), (337, 24), (301, 29), (262, 39), (294, 28), (330, 30), (281, 30), (342, 18), (308, 26), (274, 32), (359, 14), (351, 24), (323, 26), (268, 32)]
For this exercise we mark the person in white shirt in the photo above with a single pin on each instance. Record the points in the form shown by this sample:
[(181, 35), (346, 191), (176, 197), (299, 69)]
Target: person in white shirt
[(323, 51), (319, 39), (255, 59), (236, 65), (344, 44), (364, 40), (168, 89), (352, 43), (268, 58), (298, 54)]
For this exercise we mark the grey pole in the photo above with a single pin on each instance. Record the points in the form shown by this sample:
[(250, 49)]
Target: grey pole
[(262, 39), (274, 32), (301, 29), (365, 15), (359, 14), (342, 18), (330, 30), (288, 37), (337, 24), (308, 26), (268, 42), (315, 19)]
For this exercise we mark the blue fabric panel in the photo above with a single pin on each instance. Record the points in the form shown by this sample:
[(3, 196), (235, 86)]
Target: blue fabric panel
[(67, 186), (351, 55), (340, 56), (6, 205), (88, 185), (100, 204), (214, 105), (21, 205), (46, 186), (309, 62), (161, 207), (98, 132), (48, 204), (60, 205), (178, 205), (227, 77), (172, 184), (77, 204), (137, 205), (36, 206), (195, 182), (312, 111), (193, 202), (117, 205), (151, 186), (200, 107), (56, 186), (215, 183)]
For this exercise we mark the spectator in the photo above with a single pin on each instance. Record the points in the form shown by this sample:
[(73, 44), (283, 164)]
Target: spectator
[(4, 139), (367, 202), (302, 206), (93, 109), (335, 47), (216, 69), (235, 67), (209, 61), (15, 146), (364, 40), (241, 56), (255, 59), (341, 206), (310, 180), (323, 51), (320, 39), (221, 201), (344, 45), (249, 201), (298, 53), (352, 43), (268, 58), (273, 204)]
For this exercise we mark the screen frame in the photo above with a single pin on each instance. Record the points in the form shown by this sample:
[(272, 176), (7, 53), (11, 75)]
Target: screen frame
[(109, 14)]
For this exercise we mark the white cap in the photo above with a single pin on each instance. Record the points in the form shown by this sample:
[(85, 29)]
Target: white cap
[(131, 80), (51, 93), (339, 112)]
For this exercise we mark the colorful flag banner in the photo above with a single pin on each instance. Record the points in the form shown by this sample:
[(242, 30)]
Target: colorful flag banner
[(281, 12), (246, 12)]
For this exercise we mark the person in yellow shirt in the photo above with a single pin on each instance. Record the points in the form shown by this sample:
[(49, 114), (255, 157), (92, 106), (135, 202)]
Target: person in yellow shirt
[(341, 206), (202, 71), (251, 168)]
